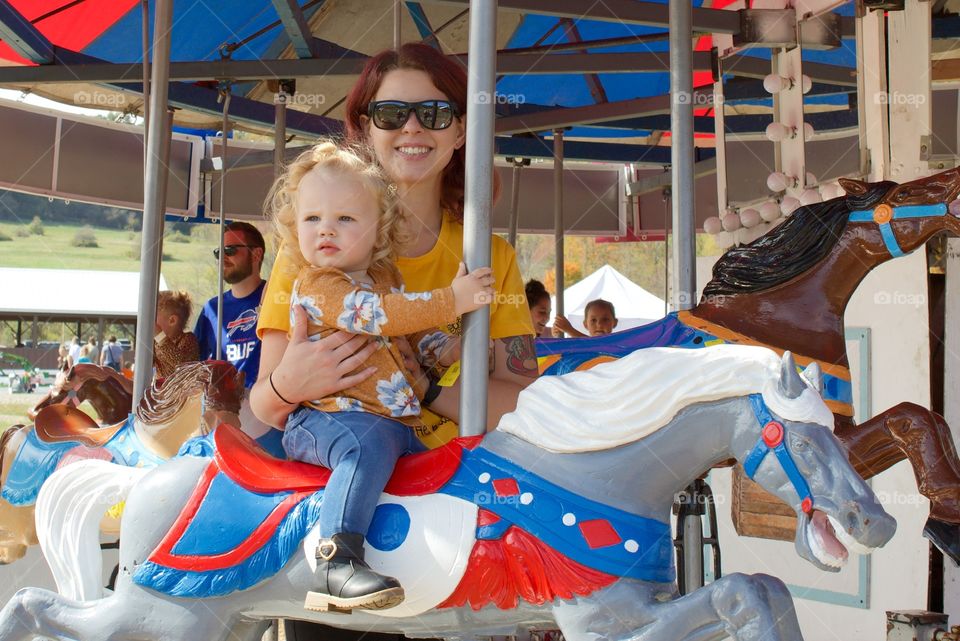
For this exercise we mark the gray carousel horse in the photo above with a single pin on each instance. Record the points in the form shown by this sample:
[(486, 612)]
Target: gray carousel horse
[(560, 518)]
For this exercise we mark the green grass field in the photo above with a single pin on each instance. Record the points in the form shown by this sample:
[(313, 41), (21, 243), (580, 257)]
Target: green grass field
[(187, 265)]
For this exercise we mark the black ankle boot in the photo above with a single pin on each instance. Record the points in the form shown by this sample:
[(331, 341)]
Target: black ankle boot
[(344, 581)]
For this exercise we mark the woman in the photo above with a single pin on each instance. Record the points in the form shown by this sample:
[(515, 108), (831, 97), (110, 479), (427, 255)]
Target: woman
[(409, 106)]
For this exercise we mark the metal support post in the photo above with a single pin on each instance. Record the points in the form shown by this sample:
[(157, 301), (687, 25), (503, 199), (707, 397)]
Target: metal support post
[(558, 217), (225, 129), (681, 154), (154, 199), (518, 164), (478, 204)]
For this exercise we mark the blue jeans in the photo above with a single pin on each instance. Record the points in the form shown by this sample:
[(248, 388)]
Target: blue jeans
[(361, 449)]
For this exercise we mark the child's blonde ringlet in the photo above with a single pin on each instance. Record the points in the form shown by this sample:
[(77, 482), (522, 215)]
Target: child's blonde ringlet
[(349, 159)]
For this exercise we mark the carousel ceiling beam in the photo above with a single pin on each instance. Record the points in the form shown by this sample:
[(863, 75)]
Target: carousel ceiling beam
[(17, 32), (593, 80), (243, 110), (550, 119), (526, 147), (71, 66), (592, 63), (753, 67), (422, 23), (76, 67), (536, 147), (648, 14), (295, 24)]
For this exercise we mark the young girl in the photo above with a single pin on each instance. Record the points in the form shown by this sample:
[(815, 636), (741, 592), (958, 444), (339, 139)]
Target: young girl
[(599, 317), (341, 224), (174, 346)]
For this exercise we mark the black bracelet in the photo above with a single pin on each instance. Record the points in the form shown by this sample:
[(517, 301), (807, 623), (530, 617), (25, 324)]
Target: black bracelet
[(279, 395), (433, 391)]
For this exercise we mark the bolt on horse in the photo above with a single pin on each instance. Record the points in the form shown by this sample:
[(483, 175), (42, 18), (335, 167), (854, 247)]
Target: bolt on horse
[(788, 290), (558, 518), (191, 401)]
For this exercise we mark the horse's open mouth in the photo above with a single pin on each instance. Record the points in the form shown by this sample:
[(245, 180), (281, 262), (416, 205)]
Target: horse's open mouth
[(825, 536)]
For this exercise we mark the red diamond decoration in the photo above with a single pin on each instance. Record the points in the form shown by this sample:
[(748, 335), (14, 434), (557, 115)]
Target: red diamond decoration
[(599, 533), (486, 517), (506, 487)]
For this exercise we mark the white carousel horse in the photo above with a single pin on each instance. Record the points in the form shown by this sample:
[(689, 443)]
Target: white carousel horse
[(560, 518)]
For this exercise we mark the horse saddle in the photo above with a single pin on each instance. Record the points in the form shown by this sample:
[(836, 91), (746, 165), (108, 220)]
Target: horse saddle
[(63, 424), (252, 468)]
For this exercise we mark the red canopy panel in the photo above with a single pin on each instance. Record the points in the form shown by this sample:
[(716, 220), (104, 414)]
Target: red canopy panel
[(73, 28)]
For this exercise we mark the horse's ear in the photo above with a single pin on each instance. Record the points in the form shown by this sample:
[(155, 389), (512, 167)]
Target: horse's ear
[(790, 385), (814, 376), (853, 187)]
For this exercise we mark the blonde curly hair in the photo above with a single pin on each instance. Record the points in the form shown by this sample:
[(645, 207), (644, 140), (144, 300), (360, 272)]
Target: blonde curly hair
[(177, 303), (347, 158)]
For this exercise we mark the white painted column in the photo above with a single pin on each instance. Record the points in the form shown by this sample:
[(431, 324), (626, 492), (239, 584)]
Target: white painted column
[(872, 89), (909, 103)]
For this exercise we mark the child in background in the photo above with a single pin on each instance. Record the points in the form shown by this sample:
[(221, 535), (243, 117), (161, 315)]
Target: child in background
[(341, 223), (173, 345), (599, 318), (538, 299)]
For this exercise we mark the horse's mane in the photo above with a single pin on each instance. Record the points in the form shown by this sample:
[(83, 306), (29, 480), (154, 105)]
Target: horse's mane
[(623, 401), (167, 396), (791, 248)]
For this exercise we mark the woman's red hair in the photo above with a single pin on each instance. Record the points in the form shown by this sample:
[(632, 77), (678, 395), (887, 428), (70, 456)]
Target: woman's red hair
[(448, 76)]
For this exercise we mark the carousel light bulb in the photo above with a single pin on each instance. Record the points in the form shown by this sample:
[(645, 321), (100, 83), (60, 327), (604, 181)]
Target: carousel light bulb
[(810, 196), (770, 210), (788, 205), (774, 83), (806, 84), (750, 217), (777, 131), (712, 225), (730, 222), (778, 181), (808, 132)]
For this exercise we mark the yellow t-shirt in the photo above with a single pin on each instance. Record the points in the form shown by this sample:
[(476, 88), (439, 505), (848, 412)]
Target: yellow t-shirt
[(509, 313)]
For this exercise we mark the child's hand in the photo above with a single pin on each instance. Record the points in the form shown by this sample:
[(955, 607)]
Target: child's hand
[(472, 291), (561, 323)]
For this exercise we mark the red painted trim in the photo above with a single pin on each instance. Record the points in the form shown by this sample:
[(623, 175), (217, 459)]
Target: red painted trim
[(520, 566), (186, 513)]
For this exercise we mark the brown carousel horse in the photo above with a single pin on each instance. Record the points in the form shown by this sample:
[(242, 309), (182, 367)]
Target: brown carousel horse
[(190, 402), (788, 290), (110, 393)]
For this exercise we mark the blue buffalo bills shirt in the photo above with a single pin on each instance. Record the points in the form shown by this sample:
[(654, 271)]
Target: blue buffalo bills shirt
[(239, 345)]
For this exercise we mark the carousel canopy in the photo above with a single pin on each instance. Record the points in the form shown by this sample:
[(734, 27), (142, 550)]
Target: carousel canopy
[(69, 294)]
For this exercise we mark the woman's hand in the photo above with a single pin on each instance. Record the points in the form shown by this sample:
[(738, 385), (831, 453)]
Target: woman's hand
[(303, 370)]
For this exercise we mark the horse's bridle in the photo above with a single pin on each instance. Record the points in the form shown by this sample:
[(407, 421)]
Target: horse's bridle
[(882, 215), (772, 439)]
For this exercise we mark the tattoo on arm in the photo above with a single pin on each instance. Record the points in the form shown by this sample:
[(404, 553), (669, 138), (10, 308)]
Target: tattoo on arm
[(521, 355)]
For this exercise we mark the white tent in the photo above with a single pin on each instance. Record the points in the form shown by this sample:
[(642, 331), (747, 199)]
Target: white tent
[(635, 306)]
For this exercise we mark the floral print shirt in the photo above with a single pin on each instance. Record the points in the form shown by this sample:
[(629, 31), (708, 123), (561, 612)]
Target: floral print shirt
[(333, 301)]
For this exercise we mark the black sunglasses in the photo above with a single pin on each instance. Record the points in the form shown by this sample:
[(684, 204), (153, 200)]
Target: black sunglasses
[(229, 250), (393, 114)]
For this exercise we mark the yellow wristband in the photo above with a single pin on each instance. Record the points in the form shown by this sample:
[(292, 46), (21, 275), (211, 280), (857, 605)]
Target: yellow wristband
[(450, 376)]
